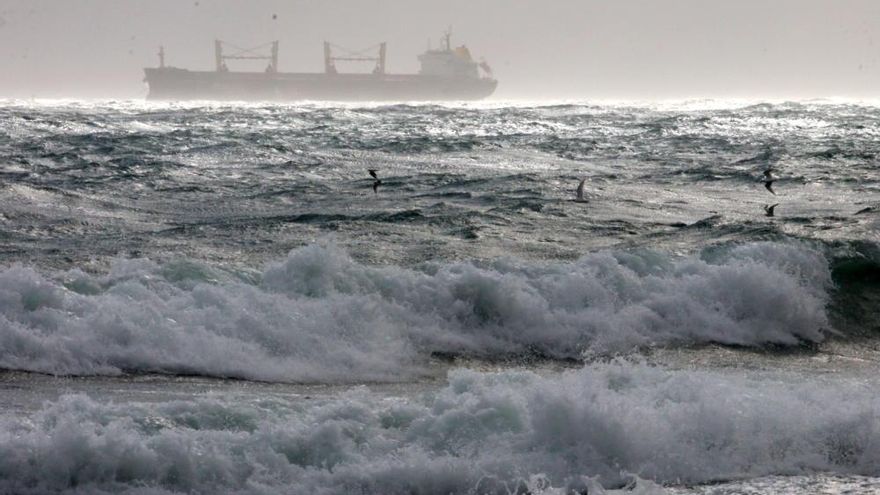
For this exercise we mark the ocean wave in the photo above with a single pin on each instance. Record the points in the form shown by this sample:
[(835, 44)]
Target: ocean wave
[(319, 316), (856, 275), (576, 131), (488, 433)]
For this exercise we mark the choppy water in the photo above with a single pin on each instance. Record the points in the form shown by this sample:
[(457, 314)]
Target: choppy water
[(210, 298)]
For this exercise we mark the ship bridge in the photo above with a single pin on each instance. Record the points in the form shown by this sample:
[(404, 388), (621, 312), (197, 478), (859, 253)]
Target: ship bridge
[(450, 62)]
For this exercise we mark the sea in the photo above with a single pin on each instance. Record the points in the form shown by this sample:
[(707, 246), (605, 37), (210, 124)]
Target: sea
[(211, 298)]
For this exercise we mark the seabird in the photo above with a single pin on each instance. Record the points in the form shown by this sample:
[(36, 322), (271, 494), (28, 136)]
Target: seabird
[(377, 182), (768, 179), (768, 209), (580, 191)]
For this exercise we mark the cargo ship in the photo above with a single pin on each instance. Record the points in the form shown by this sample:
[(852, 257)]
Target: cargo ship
[(446, 73)]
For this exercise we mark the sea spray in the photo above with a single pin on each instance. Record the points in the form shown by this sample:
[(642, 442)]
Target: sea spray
[(318, 316), (480, 433)]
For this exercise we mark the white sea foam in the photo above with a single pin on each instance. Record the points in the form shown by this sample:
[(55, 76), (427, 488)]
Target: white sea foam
[(482, 433), (319, 316)]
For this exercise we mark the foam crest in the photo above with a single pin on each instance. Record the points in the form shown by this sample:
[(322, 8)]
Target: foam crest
[(501, 433), (318, 316)]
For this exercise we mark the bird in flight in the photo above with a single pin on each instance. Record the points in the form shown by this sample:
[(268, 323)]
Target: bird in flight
[(768, 209), (377, 182), (769, 179)]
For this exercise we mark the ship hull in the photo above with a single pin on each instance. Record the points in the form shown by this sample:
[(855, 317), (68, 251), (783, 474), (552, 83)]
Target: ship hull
[(182, 84)]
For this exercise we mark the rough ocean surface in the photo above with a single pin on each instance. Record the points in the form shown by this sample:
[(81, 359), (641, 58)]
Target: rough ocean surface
[(210, 298)]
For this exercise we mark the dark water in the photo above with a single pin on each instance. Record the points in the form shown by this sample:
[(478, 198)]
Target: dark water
[(211, 298)]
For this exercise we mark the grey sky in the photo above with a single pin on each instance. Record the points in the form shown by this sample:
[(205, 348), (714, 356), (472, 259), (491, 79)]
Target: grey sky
[(643, 49)]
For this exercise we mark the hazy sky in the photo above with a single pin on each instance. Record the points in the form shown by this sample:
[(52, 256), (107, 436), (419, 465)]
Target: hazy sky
[(639, 49)]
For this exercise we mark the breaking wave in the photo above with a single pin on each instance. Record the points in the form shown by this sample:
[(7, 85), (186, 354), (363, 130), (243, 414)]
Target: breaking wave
[(488, 433), (319, 316)]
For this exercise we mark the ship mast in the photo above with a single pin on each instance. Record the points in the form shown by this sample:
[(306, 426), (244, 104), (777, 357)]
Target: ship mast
[(218, 55)]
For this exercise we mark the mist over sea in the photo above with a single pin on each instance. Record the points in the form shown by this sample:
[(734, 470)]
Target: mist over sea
[(211, 298)]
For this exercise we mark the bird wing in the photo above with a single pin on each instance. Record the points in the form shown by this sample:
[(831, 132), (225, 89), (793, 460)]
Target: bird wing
[(376, 187), (580, 189), (769, 186), (372, 173)]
